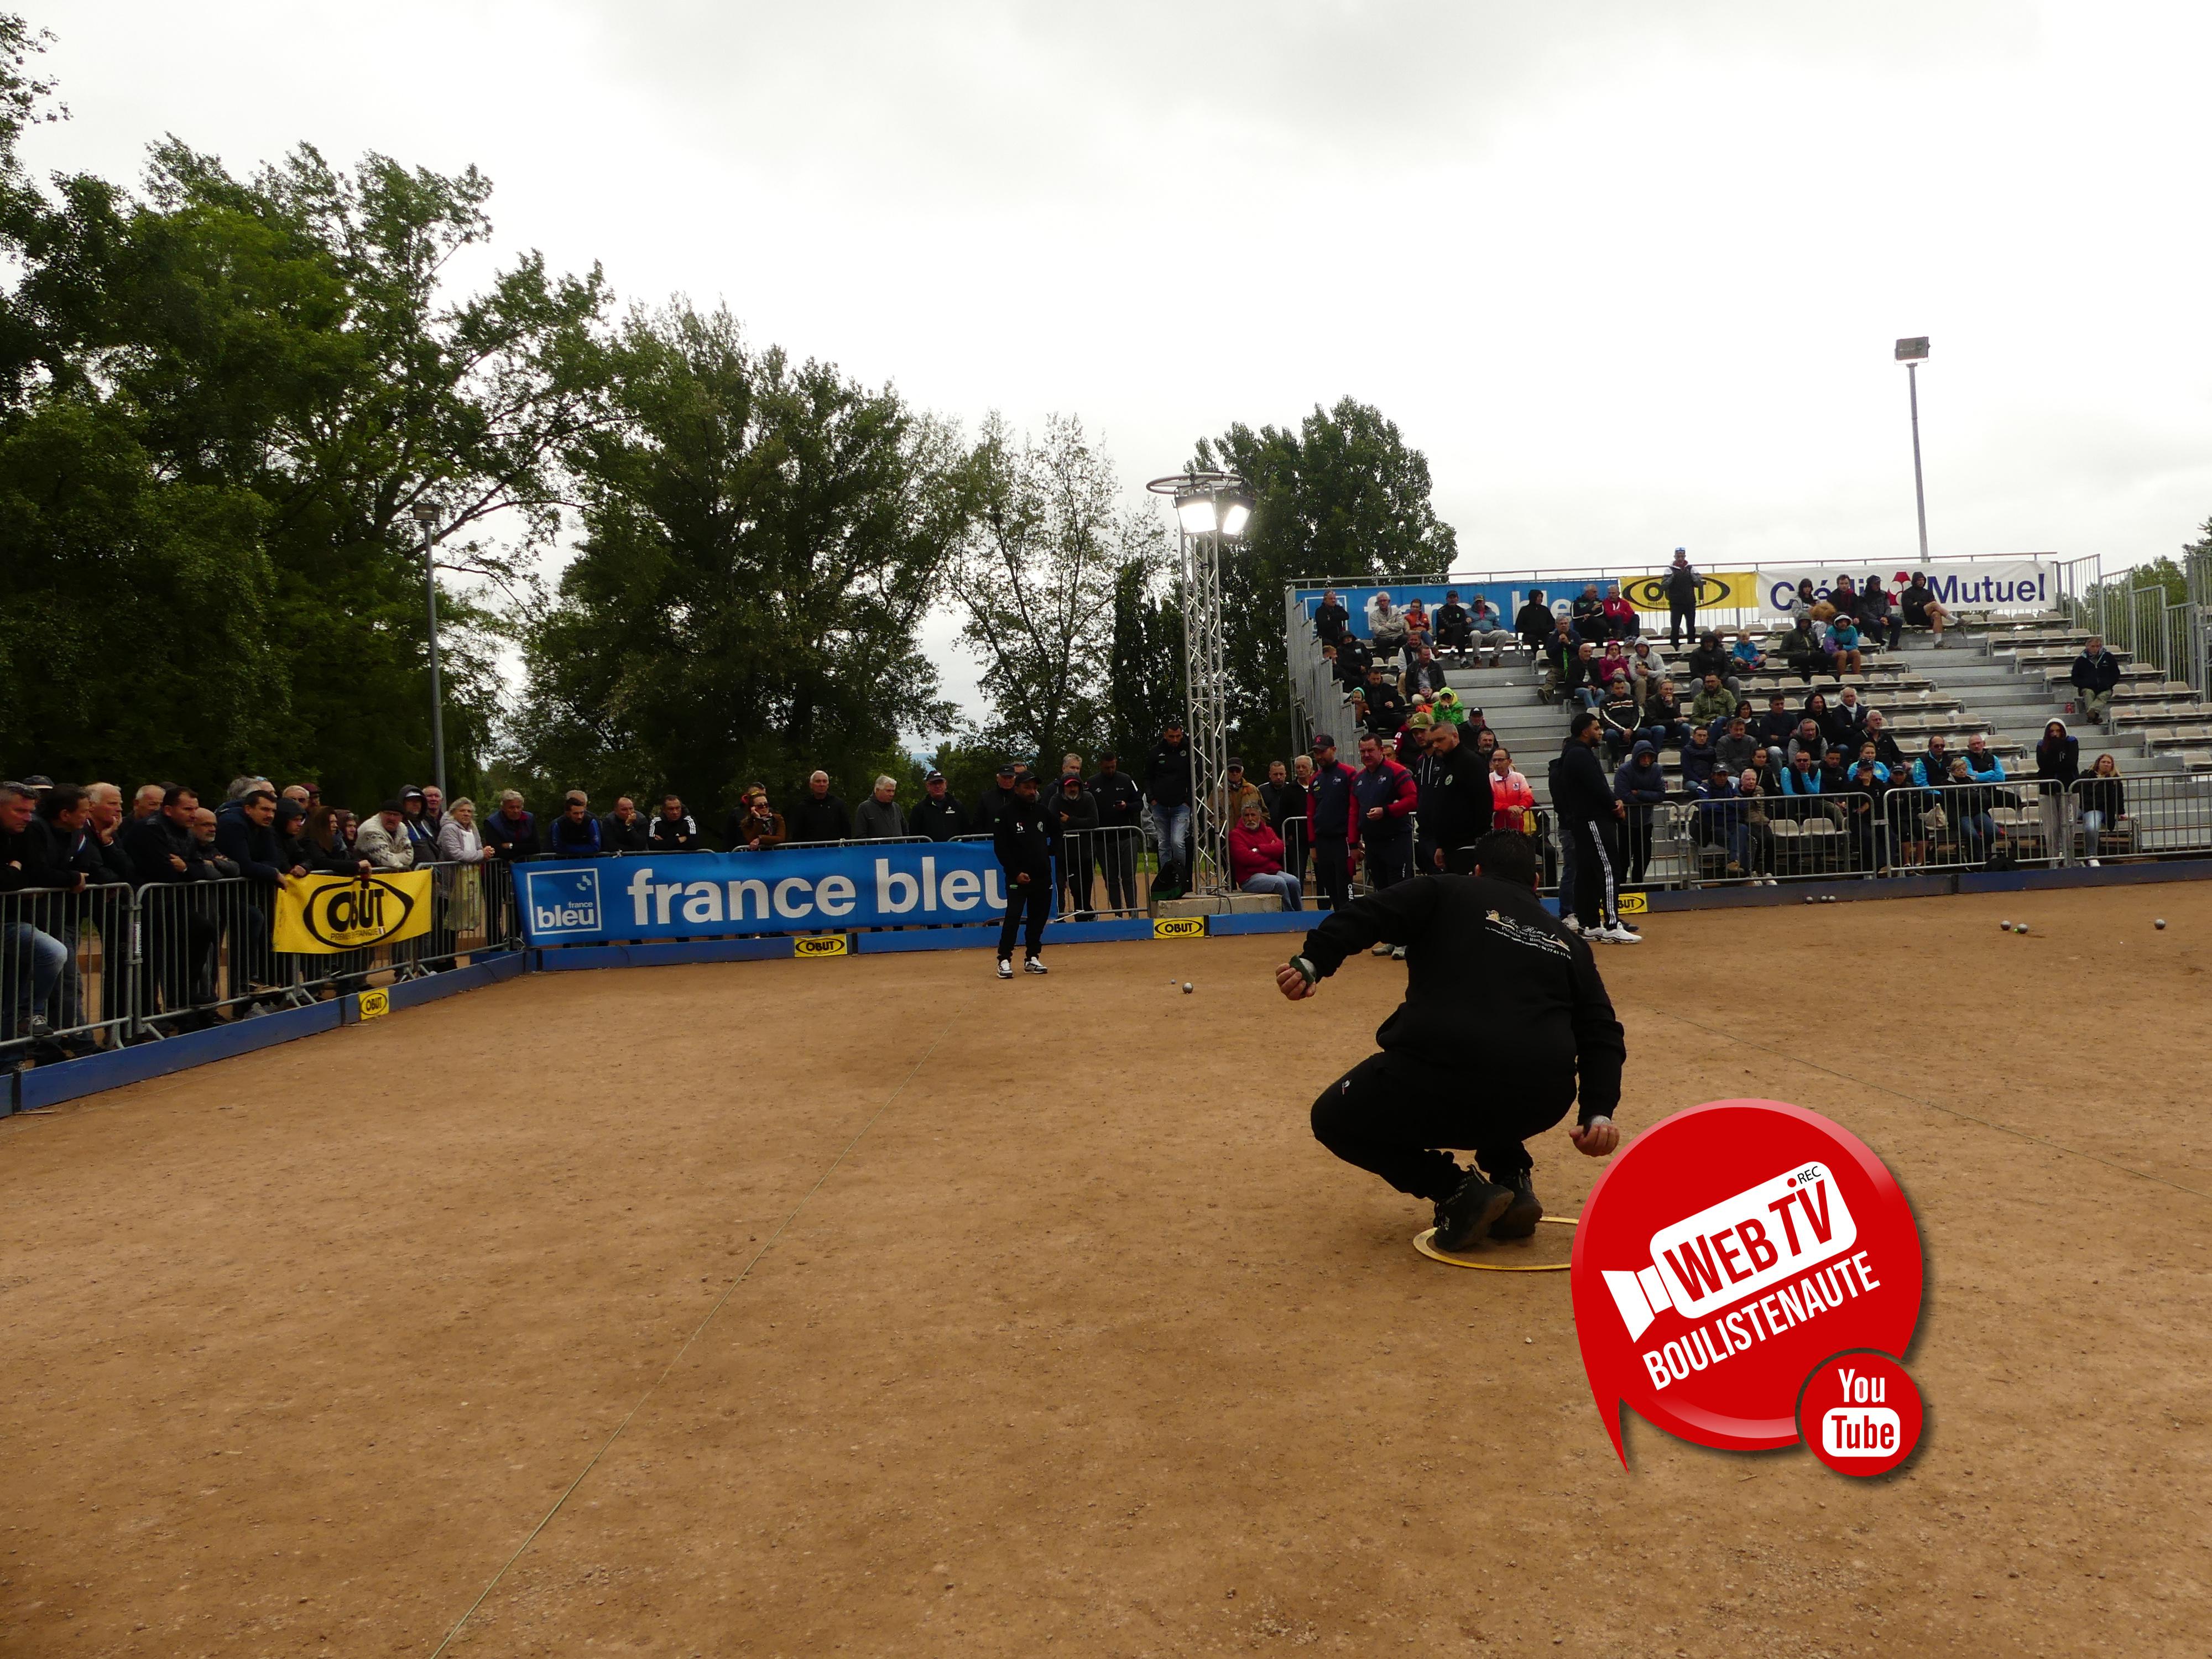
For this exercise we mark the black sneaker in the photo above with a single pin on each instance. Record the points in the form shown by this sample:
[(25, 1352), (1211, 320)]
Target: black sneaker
[(1467, 1216), (1523, 1214)]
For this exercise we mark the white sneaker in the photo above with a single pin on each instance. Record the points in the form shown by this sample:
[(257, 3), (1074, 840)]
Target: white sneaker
[(1618, 934), (2096, 864), (1397, 953), (1034, 965), (1571, 923), (1006, 968), (1380, 950)]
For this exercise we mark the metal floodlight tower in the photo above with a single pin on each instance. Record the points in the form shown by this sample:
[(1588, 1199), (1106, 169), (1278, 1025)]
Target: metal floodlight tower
[(1210, 508), (426, 516), (1912, 353)]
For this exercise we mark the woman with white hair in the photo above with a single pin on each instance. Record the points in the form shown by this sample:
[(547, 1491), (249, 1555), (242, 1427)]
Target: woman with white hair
[(460, 845)]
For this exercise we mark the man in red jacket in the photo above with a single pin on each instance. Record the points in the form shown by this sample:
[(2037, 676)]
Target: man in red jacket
[(1383, 797)]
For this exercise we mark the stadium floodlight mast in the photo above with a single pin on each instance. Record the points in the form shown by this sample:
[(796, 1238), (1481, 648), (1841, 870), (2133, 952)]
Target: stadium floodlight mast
[(1210, 508), (427, 517), (1912, 353)]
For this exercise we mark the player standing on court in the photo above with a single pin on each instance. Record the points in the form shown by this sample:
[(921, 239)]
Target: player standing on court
[(1025, 849), (1584, 797), (1503, 1009)]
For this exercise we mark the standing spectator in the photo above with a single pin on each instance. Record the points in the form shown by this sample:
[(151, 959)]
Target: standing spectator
[(1272, 793), (2057, 766), (434, 810), (1020, 839), (1640, 785), (1168, 787), (757, 828), (327, 851), (880, 817), (384, 841), (2095, 672), (1255, 858), (460, 887), (1385, 795), (204, 824), (249, 842), (575, 833), (1866, 817), (1121, 827), (460, 842), (997, 795), (1330, 618), (1681, 599), (300, 796), (1455, 801), (820, 816), (1536, 625), (1917, 602), (511, 832), (33, 961), (623, 830), (420, 834), (1073, 817), (1333, 811), (937, 814), (1512, 802), (1583, 794), (2104, 804), (1235, 790)]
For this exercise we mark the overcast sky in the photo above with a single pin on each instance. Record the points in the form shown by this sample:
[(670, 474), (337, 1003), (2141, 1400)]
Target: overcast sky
[(1629, 273)]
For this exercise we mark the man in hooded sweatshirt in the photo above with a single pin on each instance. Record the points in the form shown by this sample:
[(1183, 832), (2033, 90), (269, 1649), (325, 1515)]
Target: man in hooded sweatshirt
[(1582, 795), (1024, 845), (1640, 785), (1482, 956)]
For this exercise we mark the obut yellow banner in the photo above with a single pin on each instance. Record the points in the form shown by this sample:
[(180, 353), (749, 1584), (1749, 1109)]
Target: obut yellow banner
[(318, 915), (1730, 590)]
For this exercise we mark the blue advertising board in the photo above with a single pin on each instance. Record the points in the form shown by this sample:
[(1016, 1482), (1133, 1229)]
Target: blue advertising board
[(1505, 598), (816, 889)]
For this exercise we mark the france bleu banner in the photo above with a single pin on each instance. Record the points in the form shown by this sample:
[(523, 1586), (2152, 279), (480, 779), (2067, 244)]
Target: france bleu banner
[(818, 889)]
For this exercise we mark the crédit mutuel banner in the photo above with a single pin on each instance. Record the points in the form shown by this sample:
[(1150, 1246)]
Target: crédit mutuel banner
[(1975, 584), (730, 895)]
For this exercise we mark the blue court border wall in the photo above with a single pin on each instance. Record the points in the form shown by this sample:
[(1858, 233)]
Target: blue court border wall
[(72, 1079)]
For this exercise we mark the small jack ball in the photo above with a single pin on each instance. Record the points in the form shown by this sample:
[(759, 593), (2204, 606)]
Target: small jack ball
[(2020, 927), (1185, 987), (2159, 924), (2004, 927), (1809, 897)]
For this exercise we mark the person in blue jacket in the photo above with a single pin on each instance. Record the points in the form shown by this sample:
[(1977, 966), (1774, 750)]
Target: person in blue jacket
[(575, 833), (1982, 766), (1639, 784)]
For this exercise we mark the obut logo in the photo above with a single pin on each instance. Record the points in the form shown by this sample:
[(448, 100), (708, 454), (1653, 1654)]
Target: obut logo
[(1649, 593), (564, 901), (818, 944), (348, 916), (1180, 927)]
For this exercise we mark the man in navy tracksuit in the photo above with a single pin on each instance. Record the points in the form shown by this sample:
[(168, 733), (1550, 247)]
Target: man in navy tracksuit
[(1025, 849), (1584, 797), (1483, 957), (1386, 796), (1329, 808)]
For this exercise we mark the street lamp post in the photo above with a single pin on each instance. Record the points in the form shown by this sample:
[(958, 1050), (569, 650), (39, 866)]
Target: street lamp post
[(1912, 353), (427, 517), (1210, 508)]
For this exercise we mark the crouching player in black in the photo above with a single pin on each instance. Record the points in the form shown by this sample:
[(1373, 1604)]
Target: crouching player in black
[(1503, 1008)]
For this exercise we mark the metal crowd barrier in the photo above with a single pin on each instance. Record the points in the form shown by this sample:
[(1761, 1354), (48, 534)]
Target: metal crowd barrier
[(109, 965)]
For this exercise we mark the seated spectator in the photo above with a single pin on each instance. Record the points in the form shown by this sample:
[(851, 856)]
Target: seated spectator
[(1354, 659), (1585, 686), (1339, 671), (1448, 709), (1381, 706), (1878, 615), (1745, 658), (623, 830), (1418, 632), (575, 833), (1919, 607), (1708, 659), (820, 816), (1331, 618), (1560, 653), (460, 842), (1842, 644), (1455, 627), (1255, 858), (1700, 759), (1817, 710), (1734, 746), (1386, 626), (1933, 770), (2096, 671), (1846, 721), (1536, 625), (1801, 649), (1639, 784), (1488, 629), (1778, 725), (1426, 674), (1808, 740), (1512, 802), (1621, 622), (1715, 704), (758, 827), (1769, 769), (1968, 806), (1612, 659), (1844, 596), (1619, 718), (1663, 720), (1646, 663), (1802, 779), (511, 832), (1982, 765), (1869, 755), (2104, 800), (1885, 746), (1588, 615), (384, 841), (938, 815), (879, 818), (673, 829), (1905, 811), (1835, 771)]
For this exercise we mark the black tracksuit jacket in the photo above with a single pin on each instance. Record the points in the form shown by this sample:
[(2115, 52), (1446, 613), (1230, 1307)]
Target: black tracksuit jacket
[(1023, 842), (1455, 797), (1581, 790), (1484, 957)]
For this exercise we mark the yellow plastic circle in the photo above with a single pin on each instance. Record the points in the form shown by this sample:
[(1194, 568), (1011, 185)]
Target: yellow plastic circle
[(1421, 1243)]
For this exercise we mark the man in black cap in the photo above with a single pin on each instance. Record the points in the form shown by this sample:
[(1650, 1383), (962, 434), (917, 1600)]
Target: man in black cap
[(1025, 849), (1482, 956), (1681, 584), (1120, 829), (938, 815), (995, 798), (1335, 822)]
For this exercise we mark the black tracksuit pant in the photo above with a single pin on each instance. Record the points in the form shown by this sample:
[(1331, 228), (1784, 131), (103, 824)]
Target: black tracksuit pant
[(1597, 855), (1332, 872), (1394, 1114), (1031, 900), (1681, 618)]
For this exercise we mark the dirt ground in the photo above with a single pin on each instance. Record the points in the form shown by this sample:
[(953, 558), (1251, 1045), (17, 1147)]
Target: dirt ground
[(940, 1317)]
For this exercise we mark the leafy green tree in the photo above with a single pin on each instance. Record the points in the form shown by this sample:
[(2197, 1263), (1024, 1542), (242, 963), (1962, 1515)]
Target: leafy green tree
[(1343, 497), (1144, 670), (761, 540)]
